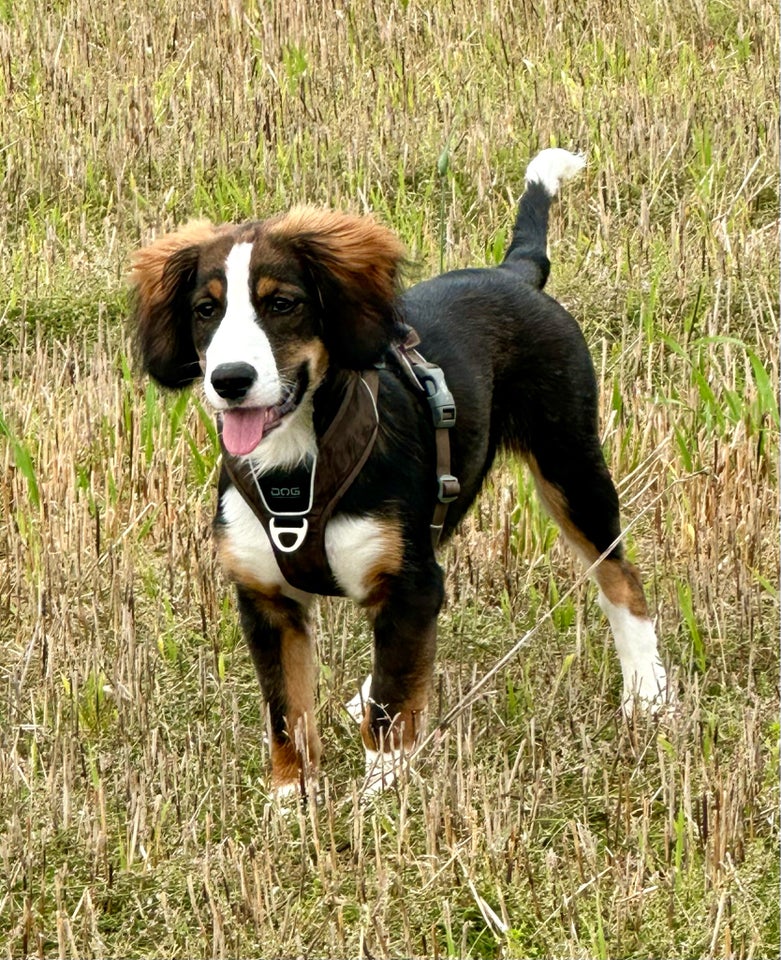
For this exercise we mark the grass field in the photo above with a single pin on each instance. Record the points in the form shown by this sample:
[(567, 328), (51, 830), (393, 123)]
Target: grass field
[(134, 814)]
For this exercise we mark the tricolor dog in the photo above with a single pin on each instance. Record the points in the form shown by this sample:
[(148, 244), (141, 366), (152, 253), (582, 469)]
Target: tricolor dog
[(347, 458)]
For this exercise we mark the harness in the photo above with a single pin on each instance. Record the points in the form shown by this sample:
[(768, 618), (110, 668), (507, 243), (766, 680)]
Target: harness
[(295, 504)]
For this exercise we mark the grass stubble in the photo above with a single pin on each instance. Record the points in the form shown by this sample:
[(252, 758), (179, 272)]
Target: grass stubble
[(134, 816)]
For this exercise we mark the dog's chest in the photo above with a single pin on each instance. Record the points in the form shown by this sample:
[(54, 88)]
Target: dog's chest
[(360, 550)]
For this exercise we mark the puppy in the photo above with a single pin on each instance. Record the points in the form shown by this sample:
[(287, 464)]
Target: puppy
[(346, 457)]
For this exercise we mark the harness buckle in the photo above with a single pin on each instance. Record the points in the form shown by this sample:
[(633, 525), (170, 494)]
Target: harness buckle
[(295, 527), (448, 488), (440, 399)]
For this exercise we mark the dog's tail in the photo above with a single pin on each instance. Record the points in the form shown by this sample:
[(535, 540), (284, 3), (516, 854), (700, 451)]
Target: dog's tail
[(528, 253)]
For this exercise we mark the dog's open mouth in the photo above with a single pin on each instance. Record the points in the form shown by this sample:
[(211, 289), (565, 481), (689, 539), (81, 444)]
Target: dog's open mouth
[(244, 427)]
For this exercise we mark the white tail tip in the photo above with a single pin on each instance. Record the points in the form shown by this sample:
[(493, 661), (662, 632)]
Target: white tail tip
[(552, 167)]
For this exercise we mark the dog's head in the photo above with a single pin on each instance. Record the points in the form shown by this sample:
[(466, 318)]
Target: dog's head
[(262, 310)]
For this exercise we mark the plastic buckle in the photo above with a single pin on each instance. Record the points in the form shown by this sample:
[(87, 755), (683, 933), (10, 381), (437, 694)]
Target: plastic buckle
[(440, 399), (295, 527), (448, 488)]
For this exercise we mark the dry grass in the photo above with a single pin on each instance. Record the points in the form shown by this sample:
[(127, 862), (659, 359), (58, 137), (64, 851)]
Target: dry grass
[(135, 815)]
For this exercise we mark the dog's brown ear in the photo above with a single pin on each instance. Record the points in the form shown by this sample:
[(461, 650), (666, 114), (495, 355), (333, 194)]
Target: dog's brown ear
[(354, 262), (161, 277)]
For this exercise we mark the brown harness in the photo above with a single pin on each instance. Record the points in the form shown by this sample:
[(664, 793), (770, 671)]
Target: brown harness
[(295, 504), (429, 378)]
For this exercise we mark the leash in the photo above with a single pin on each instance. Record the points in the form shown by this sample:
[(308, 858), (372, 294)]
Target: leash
[(475, 693)]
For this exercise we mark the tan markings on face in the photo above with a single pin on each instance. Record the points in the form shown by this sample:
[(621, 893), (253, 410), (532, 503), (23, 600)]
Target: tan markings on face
[(267, 286), (291, 354), (618, 579), (317, 356), (216, 288), (156, 283)]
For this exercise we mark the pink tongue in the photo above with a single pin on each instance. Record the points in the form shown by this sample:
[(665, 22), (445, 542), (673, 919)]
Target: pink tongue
[(242, 430)]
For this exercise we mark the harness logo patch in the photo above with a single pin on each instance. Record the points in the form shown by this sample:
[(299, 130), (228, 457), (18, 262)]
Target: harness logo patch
[(288, 493)]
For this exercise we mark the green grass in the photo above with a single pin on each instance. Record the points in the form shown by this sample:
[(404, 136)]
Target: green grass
[(538, 823)]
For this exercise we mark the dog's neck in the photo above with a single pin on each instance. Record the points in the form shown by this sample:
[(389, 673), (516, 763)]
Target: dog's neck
[(328, 399)]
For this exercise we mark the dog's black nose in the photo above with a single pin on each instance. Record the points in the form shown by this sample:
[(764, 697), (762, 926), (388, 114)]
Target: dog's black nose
[(232, 381)]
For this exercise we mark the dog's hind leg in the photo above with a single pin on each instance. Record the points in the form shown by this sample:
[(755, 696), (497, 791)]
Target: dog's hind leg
[(405, 637), (277, 632), (575, 486)]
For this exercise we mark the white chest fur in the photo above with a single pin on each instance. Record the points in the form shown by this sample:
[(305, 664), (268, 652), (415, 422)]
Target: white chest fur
[(354, 547)]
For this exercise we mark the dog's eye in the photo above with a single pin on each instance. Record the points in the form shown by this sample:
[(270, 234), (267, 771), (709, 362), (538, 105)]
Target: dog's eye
[(205, 309), (282, 304)]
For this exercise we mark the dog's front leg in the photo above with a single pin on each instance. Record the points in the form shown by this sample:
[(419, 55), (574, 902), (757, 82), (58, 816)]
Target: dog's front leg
[(278, 635), (405, 637)]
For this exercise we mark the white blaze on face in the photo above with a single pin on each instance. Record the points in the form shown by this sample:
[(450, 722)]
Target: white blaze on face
[(239, 338)]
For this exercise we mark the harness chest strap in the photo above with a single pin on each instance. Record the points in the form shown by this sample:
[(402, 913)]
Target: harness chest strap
[(294, 506)]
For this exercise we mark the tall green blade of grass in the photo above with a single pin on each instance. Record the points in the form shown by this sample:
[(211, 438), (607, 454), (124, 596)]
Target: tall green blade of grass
[(23, 461)]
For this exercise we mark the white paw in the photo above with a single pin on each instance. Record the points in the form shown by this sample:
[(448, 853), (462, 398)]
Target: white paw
[(357, 705), (382, 768), (646, 685), (645, 679), (285, 798)]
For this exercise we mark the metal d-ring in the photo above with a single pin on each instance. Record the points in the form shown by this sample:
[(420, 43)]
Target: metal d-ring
[(278, 527)]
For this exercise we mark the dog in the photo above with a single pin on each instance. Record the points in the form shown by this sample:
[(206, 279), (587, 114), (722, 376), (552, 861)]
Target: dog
[(302, 336)]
